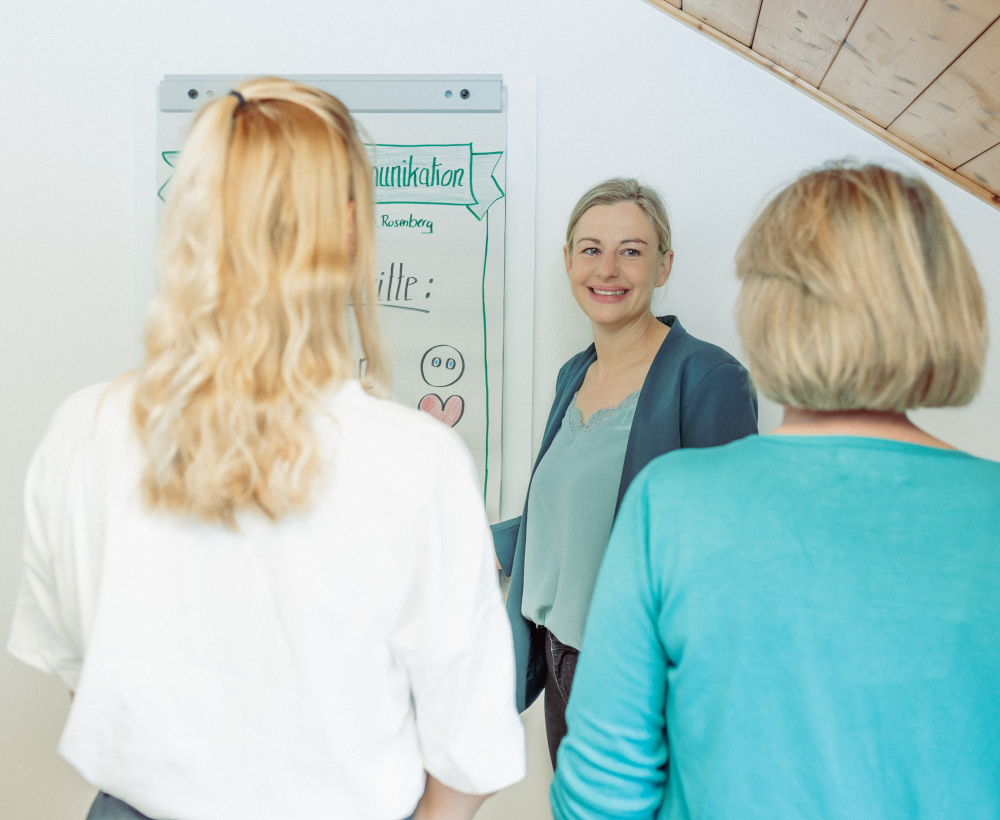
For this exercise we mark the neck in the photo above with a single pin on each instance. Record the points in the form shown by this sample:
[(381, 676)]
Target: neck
[(620, 347), (866, 423)]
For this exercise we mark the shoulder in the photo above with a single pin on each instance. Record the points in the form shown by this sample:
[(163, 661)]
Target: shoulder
[(697, 358), (85, 429), (394, 433), (88, 411), (679, 499), (699, 475), (976, 478), (986, 466), (414, 463), (701, 370), (79, 410), (572, 368)]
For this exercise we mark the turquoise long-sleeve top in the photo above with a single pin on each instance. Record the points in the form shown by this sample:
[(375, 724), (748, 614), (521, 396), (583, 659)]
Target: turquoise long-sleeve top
[(802, 627)]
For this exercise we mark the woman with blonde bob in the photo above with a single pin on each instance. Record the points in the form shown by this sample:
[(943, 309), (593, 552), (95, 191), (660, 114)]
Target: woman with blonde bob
[(805, 624), (252, 626)]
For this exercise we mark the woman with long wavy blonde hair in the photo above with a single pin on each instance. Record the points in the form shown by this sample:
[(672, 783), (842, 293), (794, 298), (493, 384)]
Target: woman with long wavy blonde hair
[(271, 593)]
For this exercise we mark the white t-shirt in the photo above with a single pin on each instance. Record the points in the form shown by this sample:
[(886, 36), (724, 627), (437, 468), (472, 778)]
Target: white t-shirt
[(309, 668)]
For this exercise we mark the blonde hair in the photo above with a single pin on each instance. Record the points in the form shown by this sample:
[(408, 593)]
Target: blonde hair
[(857, 293), (250, 325), (621, 189)]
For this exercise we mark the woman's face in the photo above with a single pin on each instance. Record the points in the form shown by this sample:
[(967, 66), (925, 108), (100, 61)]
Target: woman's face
[(614, 266)]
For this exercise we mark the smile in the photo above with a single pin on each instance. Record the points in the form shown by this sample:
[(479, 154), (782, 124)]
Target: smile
[(609, 292)]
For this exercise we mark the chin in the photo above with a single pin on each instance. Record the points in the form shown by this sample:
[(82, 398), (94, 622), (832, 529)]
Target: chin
[(607, 317)]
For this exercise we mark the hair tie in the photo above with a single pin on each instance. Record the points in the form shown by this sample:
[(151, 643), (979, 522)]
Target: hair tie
[(239, 98)]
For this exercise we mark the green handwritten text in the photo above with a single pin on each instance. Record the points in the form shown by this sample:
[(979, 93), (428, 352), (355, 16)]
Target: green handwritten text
[(411, 222)]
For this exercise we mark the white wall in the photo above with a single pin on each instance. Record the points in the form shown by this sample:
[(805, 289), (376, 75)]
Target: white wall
[(622, 89)]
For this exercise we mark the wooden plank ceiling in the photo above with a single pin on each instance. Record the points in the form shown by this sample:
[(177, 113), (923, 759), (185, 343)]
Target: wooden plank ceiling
[(924, 75)]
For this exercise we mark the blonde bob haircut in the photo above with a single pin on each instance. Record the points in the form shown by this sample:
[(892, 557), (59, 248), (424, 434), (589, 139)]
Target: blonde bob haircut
[(857, 293), (260, 265), (621, 189)]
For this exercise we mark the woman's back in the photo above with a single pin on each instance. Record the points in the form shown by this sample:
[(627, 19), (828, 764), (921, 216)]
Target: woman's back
[(825, 612), (268, 672)]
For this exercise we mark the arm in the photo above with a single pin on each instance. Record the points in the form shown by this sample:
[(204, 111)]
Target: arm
[(45, 629), (454, 639), (613, 761), (442, 803), (723, 408)]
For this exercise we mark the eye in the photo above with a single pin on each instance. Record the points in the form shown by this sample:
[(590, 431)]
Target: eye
[(589, 251), (450, 364), (436, 361), (631, 251)]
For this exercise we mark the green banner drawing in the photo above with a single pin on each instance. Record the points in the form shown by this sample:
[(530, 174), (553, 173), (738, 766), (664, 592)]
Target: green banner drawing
[(421, 175), (435, 175), (487, 188), (169, 157)]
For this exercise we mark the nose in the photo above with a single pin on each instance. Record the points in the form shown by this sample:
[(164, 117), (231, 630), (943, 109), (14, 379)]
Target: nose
[(608, 266)]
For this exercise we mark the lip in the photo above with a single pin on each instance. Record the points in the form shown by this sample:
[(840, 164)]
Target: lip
[(610, 296)]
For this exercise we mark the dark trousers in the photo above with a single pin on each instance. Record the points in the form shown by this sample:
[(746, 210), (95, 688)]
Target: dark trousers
[(106, 807), (560, 666)]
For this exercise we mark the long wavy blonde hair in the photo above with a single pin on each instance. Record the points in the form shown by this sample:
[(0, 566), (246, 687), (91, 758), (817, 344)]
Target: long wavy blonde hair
[(268, 239)]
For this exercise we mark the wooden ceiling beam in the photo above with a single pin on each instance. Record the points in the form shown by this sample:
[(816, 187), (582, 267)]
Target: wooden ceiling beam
[(734, 18), (804, 36), (958, 116), (741, 49), (896, 49), (984, 169)]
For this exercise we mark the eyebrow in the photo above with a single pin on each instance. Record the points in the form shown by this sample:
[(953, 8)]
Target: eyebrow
[(598, 241)]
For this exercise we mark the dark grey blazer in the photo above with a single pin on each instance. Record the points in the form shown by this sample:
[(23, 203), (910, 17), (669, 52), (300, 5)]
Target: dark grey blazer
[(695, 395)]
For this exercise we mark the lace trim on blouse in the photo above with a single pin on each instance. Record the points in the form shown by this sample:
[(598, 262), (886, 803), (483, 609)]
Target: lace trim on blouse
[(598, 417)]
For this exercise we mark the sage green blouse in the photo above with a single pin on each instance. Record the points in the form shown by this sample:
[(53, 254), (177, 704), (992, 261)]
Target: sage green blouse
[(571, 507)]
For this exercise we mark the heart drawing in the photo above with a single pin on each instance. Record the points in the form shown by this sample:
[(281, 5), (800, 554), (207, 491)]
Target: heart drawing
[(449, 411)]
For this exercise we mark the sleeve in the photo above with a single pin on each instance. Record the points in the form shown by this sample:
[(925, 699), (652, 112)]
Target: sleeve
[(42, 633), (613, 761), (455, 641), (505, 542), (722, 409)]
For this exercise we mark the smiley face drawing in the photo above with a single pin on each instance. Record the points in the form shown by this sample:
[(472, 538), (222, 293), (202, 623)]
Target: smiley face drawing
[(442, 366)]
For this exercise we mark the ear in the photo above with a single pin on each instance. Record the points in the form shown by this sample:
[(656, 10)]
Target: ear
[(666, 264), (566, 258)]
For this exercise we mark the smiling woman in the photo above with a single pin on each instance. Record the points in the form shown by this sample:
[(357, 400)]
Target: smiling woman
[(644, 388)]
